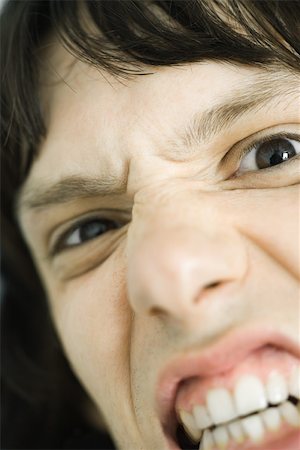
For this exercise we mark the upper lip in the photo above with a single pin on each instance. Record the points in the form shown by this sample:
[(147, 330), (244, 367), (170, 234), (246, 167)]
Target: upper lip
[(215, 358)]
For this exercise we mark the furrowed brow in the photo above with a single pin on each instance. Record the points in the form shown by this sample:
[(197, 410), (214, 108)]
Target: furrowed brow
[(261, 92), (69, 189), (205, 125)]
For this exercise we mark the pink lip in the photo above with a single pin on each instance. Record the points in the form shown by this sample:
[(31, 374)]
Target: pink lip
[(212, 360)]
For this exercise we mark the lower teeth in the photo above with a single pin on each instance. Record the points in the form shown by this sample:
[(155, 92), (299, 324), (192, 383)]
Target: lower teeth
[(251, 427)]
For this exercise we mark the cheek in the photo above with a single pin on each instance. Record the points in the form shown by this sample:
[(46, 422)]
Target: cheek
[(270, 219), (93, 322)]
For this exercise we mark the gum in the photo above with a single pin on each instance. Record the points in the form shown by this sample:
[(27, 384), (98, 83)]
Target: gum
[(259, 363)]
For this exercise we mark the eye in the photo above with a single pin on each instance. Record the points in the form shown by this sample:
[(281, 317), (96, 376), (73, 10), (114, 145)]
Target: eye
[(86, 231), (269, 152)]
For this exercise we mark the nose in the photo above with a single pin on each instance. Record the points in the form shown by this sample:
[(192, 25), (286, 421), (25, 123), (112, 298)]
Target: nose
[(178, 253)]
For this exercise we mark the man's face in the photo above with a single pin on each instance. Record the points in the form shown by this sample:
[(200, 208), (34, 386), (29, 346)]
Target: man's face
[(164, 221)]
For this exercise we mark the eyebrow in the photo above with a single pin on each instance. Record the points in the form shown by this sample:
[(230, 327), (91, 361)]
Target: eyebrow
[(262, 92), (71, 188), (202, 127)]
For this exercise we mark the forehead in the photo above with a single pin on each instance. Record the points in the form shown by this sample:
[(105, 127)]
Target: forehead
[(78, 98), (96, 123)]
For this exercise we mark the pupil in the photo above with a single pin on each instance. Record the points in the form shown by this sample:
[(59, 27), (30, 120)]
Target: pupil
[(274, 152)]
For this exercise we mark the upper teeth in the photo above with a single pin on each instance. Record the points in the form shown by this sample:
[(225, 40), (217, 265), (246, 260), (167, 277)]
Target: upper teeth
[(249, 395)]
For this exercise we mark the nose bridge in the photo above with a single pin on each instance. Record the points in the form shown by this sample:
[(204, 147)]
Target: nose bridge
[(178, 249)]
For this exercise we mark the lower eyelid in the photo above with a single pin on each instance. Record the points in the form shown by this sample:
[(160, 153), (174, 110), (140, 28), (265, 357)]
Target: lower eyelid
[(71, 264), (57, 242), (261, 174), (60, 249), (62, 246)]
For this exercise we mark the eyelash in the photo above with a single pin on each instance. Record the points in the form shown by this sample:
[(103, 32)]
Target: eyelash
[(262, 140), (59, 245)]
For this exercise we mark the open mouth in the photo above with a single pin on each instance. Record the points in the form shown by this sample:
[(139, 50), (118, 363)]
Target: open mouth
[(204, 428), (250, 400)]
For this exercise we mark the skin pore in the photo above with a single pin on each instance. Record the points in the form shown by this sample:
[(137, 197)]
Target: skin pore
[(197, 235)]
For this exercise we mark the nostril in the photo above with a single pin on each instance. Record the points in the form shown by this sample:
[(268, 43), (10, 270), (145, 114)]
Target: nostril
[(212, 285), (209, 288), (156, 311)]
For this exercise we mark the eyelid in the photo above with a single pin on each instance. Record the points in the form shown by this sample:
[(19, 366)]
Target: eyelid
[(245, 145), (60, 234), (269, 138), (71, 264)]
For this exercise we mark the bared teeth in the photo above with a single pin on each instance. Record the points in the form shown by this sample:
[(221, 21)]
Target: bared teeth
[(220, 405), (290, 413), (294, 382), (276, 388), (190, 426), (249, 395), (221, 436), (207, 442), (271, 418), (202, 417), (253, 427), (236, 431), (218, 421)]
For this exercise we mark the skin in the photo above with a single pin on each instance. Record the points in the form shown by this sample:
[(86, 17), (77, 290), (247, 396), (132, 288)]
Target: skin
[(199, 250)]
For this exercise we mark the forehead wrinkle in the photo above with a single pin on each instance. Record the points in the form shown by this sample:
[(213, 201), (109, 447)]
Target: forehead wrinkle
[(203, 126)]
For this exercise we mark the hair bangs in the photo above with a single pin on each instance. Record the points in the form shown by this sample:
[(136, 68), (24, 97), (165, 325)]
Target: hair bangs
[(131, 37)]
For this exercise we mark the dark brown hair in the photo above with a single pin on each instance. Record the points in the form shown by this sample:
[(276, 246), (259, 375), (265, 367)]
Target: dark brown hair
[(127, 38)]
